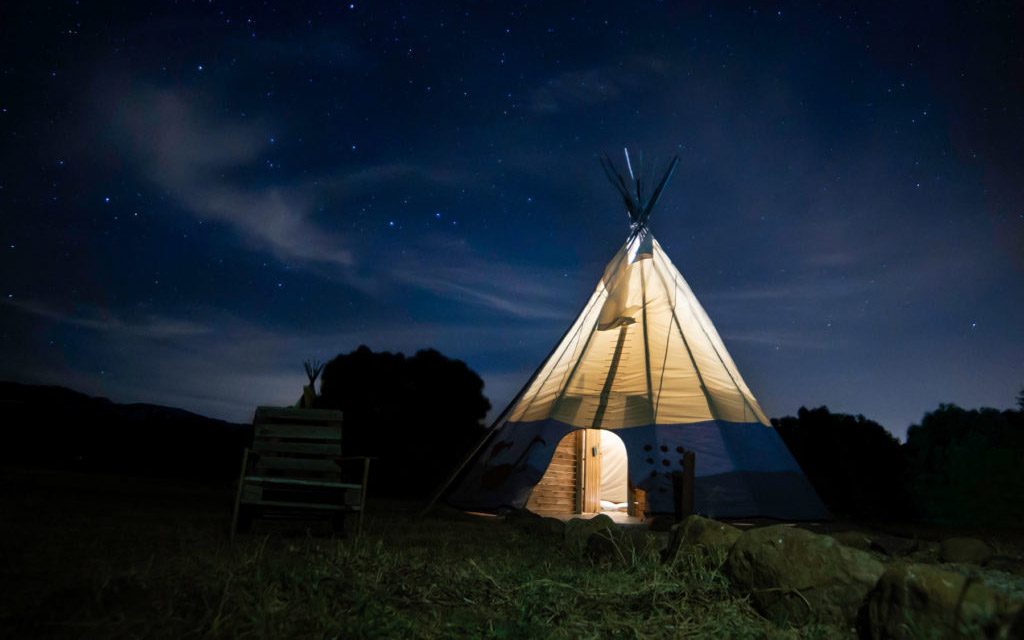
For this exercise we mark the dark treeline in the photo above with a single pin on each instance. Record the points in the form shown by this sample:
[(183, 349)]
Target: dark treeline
[(958, 466), (419, 415)]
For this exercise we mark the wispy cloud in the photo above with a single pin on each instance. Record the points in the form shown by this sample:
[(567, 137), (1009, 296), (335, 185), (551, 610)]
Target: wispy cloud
[(189, 156), (792, 291), (454, 270), (192, 156), (585, 87), (776, 339), (149, 326), (168, 361)]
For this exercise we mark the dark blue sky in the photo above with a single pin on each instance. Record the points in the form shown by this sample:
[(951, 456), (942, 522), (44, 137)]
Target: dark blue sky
[(196, 197)]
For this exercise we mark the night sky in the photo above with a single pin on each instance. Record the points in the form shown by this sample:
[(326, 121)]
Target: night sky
[(195, 197)]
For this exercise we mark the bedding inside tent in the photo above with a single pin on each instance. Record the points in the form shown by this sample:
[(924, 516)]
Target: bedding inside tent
[(614, 482)]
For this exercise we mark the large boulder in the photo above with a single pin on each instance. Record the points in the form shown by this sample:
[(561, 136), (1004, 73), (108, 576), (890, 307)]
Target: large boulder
[(926, 601), (1006, 564), (854, 539), (698, 531), (968, 550), (578, 530), (798, 577), (880, 543), (897, 547), (534, 525)]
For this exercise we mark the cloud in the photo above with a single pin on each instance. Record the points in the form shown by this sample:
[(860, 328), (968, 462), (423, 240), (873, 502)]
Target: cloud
[(224, 366), (776, 339), (586, 87), (189, 156), (453, 270), (150, 326), (791, 292), (192, 157)]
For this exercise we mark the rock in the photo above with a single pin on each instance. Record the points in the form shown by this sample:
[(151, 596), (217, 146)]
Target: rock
[(925, 601), (534, 524), (578, 530), (697, 531), (1006, 564), (606, 544), (854, 539), (660, 523), (515, 516), (928, 551), (1017, 626), (894, 546), (969, 550), (878, 543), (798, 577), (540, 526)]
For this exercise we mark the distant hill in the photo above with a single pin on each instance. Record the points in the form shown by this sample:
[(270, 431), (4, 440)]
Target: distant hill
[(58, 427)]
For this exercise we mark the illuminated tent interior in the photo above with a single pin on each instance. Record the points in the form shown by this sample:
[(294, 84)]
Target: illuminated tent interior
[(638, 380)]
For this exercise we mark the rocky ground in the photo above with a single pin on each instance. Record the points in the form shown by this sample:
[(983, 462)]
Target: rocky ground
[(882, 585)]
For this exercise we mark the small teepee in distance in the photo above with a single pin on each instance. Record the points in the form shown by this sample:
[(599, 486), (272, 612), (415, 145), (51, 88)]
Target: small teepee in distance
[(643, 361), (313, 370)]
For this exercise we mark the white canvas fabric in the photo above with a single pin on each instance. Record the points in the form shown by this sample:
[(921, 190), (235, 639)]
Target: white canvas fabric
[(642, 360), (643, 352), (614, 469)]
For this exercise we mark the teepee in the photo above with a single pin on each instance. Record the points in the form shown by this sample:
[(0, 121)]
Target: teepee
[(640, 381)]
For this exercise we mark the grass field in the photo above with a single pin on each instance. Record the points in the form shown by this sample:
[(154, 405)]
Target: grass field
[(99, 556)]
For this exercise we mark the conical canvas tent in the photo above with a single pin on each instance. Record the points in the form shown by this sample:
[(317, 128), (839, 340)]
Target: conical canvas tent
[(644, 361)]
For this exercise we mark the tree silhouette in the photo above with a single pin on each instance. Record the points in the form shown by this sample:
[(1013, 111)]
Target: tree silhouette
[(966, 465), (856, 466), (418, 415)]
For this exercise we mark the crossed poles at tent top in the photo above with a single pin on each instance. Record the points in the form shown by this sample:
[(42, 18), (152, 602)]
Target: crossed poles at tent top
[(638, 203)]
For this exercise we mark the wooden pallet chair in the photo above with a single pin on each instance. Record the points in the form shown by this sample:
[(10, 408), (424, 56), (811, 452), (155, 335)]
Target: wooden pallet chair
[(294, 468)]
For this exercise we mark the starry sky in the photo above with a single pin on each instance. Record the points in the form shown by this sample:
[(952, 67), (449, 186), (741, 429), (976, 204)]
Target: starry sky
[(195, 197)]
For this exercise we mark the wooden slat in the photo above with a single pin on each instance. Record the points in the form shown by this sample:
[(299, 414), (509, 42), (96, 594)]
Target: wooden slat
[(295, 413), (304, 505), (280, 463), (555, 490), (566, 505), (563, 476), (298, 432), (302, 482), (562, 468), (274, 445)]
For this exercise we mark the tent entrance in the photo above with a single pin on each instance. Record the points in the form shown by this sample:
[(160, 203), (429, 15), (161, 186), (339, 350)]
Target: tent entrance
[(587, 474)]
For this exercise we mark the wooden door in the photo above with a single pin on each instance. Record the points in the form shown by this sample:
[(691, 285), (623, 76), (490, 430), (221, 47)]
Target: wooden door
[(590, 478), (558, 491)]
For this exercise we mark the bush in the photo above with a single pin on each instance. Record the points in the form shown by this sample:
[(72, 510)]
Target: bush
[(856, 466), (418, 415), (966, 465)]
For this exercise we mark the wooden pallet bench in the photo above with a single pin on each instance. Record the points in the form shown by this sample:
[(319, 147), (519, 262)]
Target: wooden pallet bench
[(294, 468)]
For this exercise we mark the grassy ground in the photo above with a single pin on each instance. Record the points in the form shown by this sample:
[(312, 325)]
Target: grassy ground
[(95, 556)]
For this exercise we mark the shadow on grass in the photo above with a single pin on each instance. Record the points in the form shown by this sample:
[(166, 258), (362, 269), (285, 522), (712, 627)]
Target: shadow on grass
[(100, 556)]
